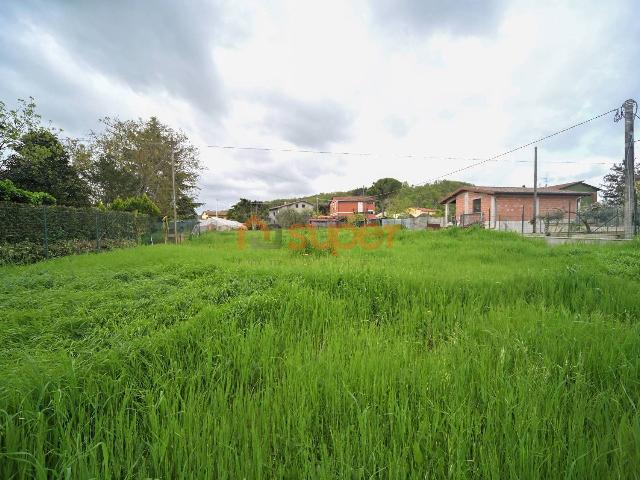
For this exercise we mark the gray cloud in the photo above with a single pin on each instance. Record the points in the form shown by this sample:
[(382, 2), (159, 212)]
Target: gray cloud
[(308, 124), (462, 17), (160, 47), (260, 176)]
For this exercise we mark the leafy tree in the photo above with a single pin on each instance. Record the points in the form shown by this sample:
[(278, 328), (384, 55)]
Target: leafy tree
[(41, 163), (244, 209), (10, 193), (288, 217), (141, 204), (186, 206), (613, 185), (134, 157), (14, 125), (382, 189), (427, 196)]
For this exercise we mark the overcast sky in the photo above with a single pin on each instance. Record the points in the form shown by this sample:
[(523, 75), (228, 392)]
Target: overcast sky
[(412, 82)]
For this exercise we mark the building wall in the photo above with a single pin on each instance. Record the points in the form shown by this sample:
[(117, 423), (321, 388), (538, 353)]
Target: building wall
[(343, 207), (298, 207), (509, 207), (464, 204)]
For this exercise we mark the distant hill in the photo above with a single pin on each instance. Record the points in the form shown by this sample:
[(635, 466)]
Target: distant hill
[(406, 196)]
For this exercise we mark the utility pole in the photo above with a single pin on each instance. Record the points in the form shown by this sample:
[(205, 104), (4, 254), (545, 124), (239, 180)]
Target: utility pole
[(629, 184), (535, 187), (216, 208), (364, 205), (175, 208), (317, 209)]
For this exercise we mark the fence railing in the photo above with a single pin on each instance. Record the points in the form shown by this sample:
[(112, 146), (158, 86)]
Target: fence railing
[(30, 233), (415, 223), (604, 221), (468, 219)]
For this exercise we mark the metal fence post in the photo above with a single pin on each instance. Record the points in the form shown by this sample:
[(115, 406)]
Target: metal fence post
[(46, 232), (522, 222), (97, 232)]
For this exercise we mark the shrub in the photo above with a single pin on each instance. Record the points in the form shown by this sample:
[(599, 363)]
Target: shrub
[(10, 193), (31, 252), (142, 204)]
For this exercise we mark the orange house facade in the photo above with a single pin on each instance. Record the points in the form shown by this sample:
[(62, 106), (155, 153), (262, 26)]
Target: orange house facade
[(345, 206)]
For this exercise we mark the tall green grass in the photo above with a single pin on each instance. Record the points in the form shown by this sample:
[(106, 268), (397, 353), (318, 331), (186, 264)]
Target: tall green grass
[(456, 354)]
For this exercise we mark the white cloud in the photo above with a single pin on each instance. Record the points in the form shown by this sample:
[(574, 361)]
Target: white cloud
[(346, 76)]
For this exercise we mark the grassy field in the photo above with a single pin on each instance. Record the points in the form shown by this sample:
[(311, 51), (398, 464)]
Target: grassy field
[(457, 354)]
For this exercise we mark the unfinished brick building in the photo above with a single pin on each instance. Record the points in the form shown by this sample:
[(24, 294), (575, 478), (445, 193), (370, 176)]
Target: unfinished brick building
[(511, 208)]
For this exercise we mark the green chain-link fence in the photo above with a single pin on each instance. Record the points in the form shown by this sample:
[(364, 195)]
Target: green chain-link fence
[(30, 233)]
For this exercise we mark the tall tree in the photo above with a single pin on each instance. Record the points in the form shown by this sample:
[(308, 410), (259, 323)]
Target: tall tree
[(41, 163), (382, 189), (244, 209), (134, 157), (14, 125), (613, 184)]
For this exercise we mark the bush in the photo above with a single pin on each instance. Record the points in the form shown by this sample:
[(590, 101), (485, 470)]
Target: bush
[(288, 217), (142, 204), (10, 193), (31, 252)]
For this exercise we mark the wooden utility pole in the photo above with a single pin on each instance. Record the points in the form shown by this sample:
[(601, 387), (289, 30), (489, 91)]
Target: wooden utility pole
[(175, 208), (535, 187), (629, 184)]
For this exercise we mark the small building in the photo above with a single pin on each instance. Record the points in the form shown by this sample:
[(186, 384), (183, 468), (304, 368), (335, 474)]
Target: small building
[(416, 212), (511, 208), (345, 206), (214, 214), (300, 206)]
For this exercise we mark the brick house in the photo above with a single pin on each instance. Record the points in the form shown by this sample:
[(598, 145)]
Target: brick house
[(511, 208), (345, 206)]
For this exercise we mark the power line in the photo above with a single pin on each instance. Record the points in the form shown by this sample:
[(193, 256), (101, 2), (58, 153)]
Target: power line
[(500, 155), (328, 152), (495, 157)]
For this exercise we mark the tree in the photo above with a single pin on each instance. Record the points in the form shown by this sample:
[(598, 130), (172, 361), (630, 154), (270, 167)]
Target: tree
[(428, 195), (14, 125), (288, 217), (244, 209), (613, 185), (142, 204), (383, 188), (40, 163), (134, 157)]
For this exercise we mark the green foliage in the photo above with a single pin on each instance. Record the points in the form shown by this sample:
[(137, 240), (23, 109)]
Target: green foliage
[(613, 184), (40, 163), (454, 354), (31, 252), (14, 124), (131, 158), (391, 195), (426, 196), (245, 209), (10, 193), (142, 204), (20, 223), (288, 217)]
